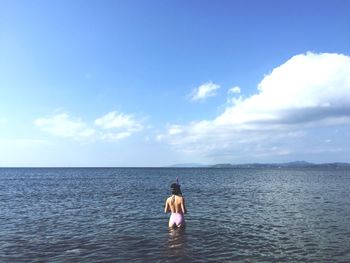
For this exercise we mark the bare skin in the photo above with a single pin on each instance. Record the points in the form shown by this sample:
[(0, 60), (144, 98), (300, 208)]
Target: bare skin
[(175, 204)]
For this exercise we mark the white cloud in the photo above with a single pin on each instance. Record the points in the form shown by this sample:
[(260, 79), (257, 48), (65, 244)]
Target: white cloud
[(109, 136), (118, 126), (64, 126), (111, 127), (115, 120), (175, 129), (233, 98), (204, 91), (234, 90), (309, 90)]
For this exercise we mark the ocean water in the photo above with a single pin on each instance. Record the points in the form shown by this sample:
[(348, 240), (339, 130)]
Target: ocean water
[(116, 215)]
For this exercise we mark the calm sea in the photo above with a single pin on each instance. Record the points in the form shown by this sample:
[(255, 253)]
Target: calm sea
[(116, 215)]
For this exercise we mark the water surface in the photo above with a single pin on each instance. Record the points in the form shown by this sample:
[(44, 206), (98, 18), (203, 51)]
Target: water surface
[(116, 214)]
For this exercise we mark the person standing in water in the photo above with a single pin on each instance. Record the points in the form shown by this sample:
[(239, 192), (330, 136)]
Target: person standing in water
[(176, 205)]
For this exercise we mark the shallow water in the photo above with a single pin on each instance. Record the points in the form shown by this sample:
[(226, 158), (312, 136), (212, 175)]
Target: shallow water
[(116, 214)]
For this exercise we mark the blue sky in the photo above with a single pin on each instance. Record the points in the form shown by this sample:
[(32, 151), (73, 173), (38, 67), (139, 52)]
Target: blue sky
[(153, 83)]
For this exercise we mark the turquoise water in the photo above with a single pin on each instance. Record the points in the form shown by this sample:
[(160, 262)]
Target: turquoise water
[(116, 215)]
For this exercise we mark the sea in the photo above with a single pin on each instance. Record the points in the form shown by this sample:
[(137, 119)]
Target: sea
[(117, 215)]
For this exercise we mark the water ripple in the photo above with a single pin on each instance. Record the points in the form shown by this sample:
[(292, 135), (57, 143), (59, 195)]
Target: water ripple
[(116, 215)]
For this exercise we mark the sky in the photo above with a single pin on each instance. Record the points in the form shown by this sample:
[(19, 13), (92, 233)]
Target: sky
[(156, 83)]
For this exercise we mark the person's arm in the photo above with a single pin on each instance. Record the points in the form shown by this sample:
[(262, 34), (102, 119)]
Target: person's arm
[(183, 206), (166, 209)]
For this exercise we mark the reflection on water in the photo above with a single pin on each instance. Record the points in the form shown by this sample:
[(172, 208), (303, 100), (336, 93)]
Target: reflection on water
[(178, 249), (116, 215), (177, 239)]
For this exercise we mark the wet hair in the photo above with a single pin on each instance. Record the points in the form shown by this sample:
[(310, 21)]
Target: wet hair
[(175, 189)]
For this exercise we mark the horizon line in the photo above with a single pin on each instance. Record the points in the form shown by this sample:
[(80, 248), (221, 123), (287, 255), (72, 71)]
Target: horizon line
[(194, 165)]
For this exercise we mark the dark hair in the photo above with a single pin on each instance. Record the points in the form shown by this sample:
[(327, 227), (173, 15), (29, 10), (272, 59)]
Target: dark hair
[(175, 189)]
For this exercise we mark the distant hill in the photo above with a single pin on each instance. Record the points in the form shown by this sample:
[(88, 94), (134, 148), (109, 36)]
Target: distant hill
[(296, 164)]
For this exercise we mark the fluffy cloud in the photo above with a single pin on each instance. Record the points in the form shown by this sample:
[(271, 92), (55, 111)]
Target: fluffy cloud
[(64, 126), (309, 90), (112, 127), (119, 125), (115, 120), (204, 91)]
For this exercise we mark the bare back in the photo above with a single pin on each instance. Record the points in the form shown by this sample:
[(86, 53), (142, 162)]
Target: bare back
[(175, 204)]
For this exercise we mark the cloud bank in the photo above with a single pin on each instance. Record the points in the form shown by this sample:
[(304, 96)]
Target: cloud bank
[(307, 91), (112, 127)]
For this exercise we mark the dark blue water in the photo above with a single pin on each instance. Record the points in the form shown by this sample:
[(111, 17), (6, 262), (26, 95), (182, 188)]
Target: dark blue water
[(116, 215)]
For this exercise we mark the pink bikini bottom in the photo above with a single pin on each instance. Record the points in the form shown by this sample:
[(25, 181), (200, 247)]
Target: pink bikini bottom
[(177, 219)]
